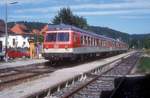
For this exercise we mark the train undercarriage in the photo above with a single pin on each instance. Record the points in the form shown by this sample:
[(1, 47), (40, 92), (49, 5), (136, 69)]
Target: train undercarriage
[(72, 56)]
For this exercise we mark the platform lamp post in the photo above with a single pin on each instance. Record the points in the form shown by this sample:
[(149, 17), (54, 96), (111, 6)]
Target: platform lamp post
[(6, 28)]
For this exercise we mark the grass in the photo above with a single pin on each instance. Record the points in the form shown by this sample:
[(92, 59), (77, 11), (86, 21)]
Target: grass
[(144, 64)]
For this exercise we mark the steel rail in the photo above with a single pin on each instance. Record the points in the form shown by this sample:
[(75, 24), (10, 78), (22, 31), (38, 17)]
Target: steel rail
[(68, 95)]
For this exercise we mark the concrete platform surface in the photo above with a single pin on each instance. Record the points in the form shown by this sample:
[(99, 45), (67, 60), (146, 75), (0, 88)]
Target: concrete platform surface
[(55, 78), (19, 63)]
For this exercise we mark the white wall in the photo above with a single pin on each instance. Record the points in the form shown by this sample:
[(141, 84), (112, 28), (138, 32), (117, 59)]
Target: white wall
[(18, 39)]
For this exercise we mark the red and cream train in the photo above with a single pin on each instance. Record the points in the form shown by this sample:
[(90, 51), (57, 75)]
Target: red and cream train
[(66, 41)]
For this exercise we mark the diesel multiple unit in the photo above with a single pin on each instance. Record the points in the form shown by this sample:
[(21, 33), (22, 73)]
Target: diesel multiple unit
[(66, 41)]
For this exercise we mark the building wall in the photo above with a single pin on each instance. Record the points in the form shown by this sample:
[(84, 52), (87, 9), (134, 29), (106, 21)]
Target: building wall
[(15, 41)]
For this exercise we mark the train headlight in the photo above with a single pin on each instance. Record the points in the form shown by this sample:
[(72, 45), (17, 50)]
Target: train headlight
[(66, 46), (46, 46), (56, 46)]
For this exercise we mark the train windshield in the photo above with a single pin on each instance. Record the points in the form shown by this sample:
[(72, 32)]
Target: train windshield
[(60, 37), (51, 37), (63, 37)]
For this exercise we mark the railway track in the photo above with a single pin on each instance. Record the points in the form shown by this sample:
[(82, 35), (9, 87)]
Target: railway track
[(14, 76), (92, 84)]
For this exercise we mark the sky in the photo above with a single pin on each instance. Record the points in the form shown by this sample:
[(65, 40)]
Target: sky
[(129, 16)]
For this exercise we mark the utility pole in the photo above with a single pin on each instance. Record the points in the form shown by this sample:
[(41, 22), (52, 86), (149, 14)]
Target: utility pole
[(6, 29), (6, 33)]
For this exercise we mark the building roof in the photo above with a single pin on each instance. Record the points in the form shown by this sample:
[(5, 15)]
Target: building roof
[(36, 31), (45, 28), (19, 29)]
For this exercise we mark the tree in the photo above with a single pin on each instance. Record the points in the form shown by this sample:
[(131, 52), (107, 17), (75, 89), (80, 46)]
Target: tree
[(146, 43), (66, 16)]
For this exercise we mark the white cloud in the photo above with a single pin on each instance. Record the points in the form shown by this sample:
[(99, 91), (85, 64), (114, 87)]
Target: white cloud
[(43, 18), (23, 1), (134, 17), (113, 5), (28, 16), (129, 7), (119, 12), (104, 6)]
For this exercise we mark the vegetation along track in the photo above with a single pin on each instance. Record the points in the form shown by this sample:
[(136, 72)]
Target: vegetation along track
[(91, 85)]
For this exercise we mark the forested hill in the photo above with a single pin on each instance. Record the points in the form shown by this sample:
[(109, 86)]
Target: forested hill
[(140, 36), (135, 40), (110, 33)]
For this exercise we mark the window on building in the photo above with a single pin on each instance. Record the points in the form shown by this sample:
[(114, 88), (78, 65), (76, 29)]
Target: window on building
[(14, 42)]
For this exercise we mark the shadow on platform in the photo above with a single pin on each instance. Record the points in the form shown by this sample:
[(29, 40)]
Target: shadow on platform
[(131, 87)]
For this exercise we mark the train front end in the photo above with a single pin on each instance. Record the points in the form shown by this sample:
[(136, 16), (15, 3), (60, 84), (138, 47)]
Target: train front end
[(57, 44)]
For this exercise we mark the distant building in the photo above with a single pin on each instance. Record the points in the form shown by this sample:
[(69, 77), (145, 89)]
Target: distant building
[(18, 37), (19, 34), (2, 27), (45, 28)]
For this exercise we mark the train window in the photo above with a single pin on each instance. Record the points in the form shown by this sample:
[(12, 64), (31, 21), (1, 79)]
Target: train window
[(103, 43), (51, 37), (99, 42), (94, 42), (63, 37), (88, 40), (82, 40)]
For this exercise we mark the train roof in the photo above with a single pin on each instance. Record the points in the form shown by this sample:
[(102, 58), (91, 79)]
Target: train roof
[(70, 27)]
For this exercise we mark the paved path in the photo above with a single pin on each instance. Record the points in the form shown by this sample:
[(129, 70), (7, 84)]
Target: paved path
[(19, 63)]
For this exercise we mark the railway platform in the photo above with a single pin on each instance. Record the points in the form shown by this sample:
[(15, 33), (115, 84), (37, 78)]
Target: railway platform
[(20, 63), (34, 87)]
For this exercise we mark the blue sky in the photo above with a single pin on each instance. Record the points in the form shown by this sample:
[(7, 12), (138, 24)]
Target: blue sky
[(130, 16)]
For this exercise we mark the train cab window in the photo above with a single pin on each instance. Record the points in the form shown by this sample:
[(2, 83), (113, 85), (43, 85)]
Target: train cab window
[(51, 37), (63, 37)]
